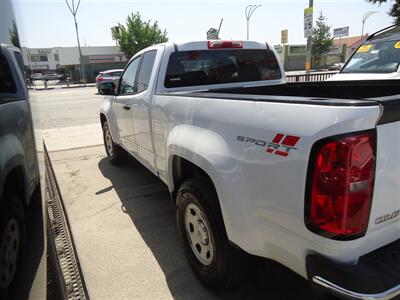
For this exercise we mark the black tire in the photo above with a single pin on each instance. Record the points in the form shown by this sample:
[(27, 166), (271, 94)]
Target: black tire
[(100, 91), (114, 152), (12, 223), (227, 265)]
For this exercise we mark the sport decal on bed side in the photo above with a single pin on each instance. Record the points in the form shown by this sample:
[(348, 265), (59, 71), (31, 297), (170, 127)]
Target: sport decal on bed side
[(280, 145)]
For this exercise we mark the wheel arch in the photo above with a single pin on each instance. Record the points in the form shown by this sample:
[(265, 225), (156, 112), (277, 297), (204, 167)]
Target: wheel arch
[(181, 169), (114, 132), (107, 115), (103, 118), (187, 146), (13, 167)]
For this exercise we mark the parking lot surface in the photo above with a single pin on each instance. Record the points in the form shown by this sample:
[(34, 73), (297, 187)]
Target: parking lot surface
[(122, 220)]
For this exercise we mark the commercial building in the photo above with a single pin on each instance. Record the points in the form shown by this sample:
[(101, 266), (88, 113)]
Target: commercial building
[(351, 43), (65, 60)]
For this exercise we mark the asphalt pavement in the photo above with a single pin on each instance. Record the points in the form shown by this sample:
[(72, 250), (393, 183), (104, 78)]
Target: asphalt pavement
[(122, 220), (61, 108)]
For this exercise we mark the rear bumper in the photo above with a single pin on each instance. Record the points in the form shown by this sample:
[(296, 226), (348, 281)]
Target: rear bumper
[(345, 293), (375, 276)]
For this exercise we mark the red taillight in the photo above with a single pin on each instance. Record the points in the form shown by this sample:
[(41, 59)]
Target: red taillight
[(217, 44), (342, 178), (100, 78)]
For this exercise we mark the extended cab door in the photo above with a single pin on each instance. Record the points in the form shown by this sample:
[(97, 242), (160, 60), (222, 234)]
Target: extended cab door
[(141, 103), (122, 105)]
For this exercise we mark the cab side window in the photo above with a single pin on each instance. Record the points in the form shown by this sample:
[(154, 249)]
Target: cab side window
[(128, 80), (145, 70)]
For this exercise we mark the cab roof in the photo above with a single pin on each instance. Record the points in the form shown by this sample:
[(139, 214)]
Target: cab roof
[(113, 70), (203, 45), (391, 33)]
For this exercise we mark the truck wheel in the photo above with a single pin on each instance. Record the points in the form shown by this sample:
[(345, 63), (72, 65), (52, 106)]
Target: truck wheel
[(12, 240), (200, 226), (114, 152)]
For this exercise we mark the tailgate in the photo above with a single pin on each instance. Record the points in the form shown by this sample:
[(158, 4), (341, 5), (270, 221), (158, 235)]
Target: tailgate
[(385, 211)]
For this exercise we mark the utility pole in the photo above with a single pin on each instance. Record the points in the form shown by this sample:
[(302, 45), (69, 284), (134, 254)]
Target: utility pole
[(309, 42), (249, 12), (74, 11)]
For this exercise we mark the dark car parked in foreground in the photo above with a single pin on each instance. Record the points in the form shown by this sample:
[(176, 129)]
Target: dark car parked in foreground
[(19, 173)]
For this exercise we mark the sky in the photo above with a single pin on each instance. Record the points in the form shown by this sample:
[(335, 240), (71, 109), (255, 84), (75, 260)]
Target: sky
[(6, 19), (49, 23)]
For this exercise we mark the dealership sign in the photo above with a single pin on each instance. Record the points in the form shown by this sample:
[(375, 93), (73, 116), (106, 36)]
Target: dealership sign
[(101, 59), (342, 31), (284, 36), (336, 50), (212, 34)]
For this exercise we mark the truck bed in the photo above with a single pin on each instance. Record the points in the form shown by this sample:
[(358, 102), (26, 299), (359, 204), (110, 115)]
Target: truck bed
[(324, 89), (337, 93)]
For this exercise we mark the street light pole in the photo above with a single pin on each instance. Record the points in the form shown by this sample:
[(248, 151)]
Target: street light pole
[(364, 19), (74, 11), (249, 12)]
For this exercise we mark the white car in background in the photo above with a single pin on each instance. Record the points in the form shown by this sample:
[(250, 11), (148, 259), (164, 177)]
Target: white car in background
[(378, 58), (36, 76), (107, 76)]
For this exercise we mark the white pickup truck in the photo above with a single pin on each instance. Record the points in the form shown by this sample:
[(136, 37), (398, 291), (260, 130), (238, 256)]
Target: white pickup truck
[(377, 58), (305, 174)]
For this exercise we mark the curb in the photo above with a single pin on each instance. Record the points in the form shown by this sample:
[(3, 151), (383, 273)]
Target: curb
[(60, 87)]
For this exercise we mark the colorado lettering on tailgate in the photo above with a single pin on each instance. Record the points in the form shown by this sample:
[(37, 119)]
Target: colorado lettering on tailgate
[(388, 217), (280, 145)]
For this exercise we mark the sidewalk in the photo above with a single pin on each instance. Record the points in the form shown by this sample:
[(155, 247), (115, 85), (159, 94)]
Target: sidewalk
[(122, 222)]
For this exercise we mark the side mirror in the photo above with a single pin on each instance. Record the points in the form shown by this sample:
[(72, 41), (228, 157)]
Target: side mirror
[(107, 88)]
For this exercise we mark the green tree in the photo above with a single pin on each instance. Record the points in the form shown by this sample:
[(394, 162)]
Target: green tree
[(14, 37), (393, 12), (322, 40), (138, 34)]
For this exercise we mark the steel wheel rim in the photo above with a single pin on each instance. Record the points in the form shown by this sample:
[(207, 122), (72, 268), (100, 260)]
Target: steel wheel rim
[(9, 249), (199, 234), (109, 143)]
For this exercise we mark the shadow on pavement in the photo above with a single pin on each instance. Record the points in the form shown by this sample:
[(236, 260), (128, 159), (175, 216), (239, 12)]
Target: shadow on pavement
[(146, 199)]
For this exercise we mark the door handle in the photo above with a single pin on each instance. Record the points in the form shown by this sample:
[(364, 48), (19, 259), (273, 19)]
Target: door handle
[(126, 107)]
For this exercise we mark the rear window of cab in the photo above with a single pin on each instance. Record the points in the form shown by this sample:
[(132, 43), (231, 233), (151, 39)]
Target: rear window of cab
[(207, 67)]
